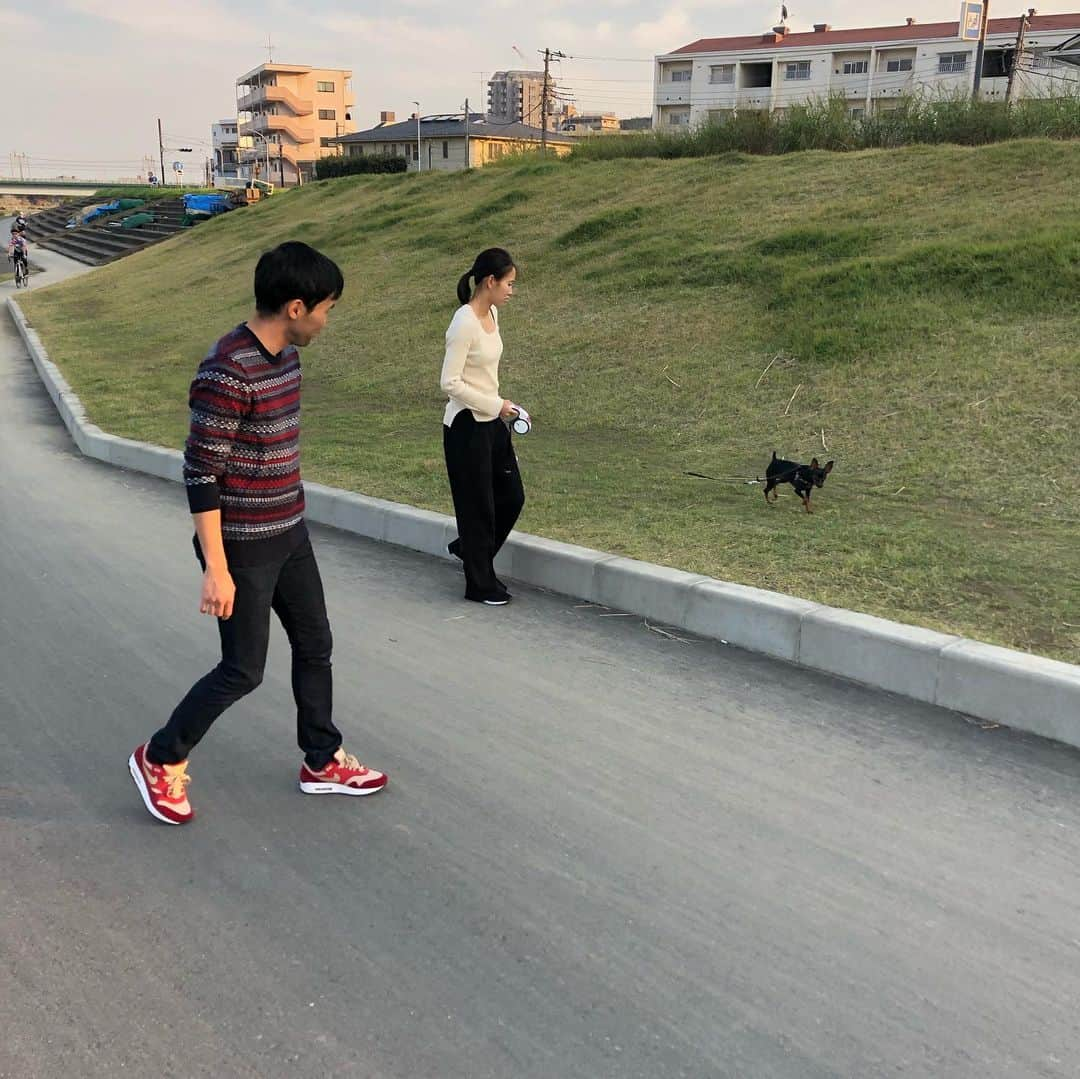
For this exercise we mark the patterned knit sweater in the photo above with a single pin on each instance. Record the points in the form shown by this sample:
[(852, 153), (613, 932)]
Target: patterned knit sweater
[(242, 455)]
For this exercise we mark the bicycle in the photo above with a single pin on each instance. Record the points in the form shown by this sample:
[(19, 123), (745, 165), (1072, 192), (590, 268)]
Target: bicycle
[(22, 271)]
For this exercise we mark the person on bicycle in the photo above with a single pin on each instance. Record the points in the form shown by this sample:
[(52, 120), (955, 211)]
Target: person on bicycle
[(19, 248), (19, 224)]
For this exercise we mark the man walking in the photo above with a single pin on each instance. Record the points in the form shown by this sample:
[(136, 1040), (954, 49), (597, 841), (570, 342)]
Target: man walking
[(242, 475)]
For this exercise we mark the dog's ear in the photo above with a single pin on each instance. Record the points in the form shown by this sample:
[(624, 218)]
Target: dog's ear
[(813, 463), (774, 455), (828, 467)]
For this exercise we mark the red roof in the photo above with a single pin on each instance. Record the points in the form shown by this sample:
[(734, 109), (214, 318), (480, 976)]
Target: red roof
[(915, 32)]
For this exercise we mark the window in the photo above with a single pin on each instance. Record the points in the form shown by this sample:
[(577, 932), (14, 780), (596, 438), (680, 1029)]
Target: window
[(678, 118), (798, 70), (324, 87), (718, 116), (681, 76), (327, 114), (857, 112), (949, 63), (325, 142), (1040, 61), (898, 65), (856, 67), (722, 73), (445, 149)]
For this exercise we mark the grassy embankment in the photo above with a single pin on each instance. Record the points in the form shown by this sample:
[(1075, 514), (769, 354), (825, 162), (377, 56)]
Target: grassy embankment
[(914, 310)]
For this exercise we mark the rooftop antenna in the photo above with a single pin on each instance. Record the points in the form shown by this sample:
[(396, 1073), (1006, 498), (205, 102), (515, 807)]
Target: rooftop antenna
[(269, 49)]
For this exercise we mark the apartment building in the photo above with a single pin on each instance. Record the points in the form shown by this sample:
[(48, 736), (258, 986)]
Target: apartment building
[(871, 68), (586, 123), (225, 139), (446, 144), (295, 113), (517, 97)]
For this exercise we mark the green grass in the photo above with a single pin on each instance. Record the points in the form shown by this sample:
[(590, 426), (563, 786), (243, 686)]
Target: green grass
[(825, 124), (150, 193), (916, 311)]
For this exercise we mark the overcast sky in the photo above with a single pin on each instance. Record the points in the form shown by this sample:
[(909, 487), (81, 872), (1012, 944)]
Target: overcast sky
[(99, 72)]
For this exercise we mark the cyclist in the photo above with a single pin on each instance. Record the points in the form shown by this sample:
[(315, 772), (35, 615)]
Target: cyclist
[(19, 253)]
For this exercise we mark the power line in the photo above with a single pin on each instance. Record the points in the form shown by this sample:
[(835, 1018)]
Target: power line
[(615, 59)]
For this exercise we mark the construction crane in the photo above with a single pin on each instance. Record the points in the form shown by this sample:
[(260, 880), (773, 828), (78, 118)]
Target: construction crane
[(521, 54)]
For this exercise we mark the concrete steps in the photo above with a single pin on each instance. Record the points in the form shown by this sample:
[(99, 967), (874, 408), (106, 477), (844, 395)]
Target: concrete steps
[(104, 240)]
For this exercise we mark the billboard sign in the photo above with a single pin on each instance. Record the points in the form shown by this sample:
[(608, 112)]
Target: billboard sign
[(971, 20)]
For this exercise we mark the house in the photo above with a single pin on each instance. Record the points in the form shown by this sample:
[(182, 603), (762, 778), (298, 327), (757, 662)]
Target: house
[(439, 142), (871, 68), (291, 114)]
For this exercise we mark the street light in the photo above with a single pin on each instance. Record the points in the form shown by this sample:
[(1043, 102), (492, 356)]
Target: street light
[(266, 142), (417, 104)]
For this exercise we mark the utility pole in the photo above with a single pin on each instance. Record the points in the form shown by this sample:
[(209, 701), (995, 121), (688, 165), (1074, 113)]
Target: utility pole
[(543, 103), (981, 50), (417, 104), (1019, 51), (281, 163), (548, 57), (161, 151), (468, 162)]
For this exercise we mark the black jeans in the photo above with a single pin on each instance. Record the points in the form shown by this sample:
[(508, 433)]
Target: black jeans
[(292, 588), (488, 494)]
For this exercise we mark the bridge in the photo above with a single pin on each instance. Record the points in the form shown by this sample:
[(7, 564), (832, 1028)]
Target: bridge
[(69, 188)]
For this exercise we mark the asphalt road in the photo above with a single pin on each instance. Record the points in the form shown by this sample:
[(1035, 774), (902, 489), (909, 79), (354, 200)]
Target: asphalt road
[(602, 853)]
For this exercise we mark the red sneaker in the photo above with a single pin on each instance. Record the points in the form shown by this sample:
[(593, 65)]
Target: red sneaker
[(343, 775), (163, 787)]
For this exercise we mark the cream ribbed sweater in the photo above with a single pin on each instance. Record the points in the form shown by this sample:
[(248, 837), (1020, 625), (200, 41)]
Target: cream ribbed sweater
[(470, 371)]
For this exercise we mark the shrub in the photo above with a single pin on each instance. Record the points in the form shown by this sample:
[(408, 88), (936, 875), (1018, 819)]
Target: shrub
[(826, 124), (327, 168)]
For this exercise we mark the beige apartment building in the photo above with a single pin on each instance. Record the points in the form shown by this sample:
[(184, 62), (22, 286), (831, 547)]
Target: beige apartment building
[(518, 97), (295, 112)]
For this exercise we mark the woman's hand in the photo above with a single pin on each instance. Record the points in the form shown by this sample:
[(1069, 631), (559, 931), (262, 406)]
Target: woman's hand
[(508, 411)]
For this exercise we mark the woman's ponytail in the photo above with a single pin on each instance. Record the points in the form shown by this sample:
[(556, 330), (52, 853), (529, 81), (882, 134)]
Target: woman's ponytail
[(464, 292), (494, 262)]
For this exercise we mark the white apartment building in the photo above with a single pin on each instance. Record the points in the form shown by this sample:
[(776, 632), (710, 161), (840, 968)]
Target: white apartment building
[(226, 143), (871, 68)]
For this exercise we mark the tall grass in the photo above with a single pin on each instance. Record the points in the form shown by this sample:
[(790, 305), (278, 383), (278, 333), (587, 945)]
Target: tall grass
[(826, 124)]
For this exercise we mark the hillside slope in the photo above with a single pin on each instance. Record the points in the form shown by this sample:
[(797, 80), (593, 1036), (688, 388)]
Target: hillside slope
[(918, 308)]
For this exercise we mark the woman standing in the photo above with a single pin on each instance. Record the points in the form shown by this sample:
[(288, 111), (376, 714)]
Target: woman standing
[(484, 478)]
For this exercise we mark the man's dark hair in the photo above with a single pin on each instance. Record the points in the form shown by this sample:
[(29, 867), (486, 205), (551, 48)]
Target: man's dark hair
[(295, 271)]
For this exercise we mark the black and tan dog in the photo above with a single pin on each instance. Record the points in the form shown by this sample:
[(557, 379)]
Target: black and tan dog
[(804, 478)]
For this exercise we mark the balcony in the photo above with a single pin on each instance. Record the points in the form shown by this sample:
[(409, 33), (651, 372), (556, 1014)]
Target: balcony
[(273, 125), (673, 93), (754, 97), (289, 153), (275, 95)]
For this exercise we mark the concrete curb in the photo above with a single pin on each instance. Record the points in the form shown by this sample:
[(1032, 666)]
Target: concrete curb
[(1015, 689)]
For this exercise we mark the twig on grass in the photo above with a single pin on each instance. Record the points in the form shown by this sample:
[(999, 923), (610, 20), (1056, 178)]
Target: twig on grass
[(766, 371), (823, 446), (788, 409)]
